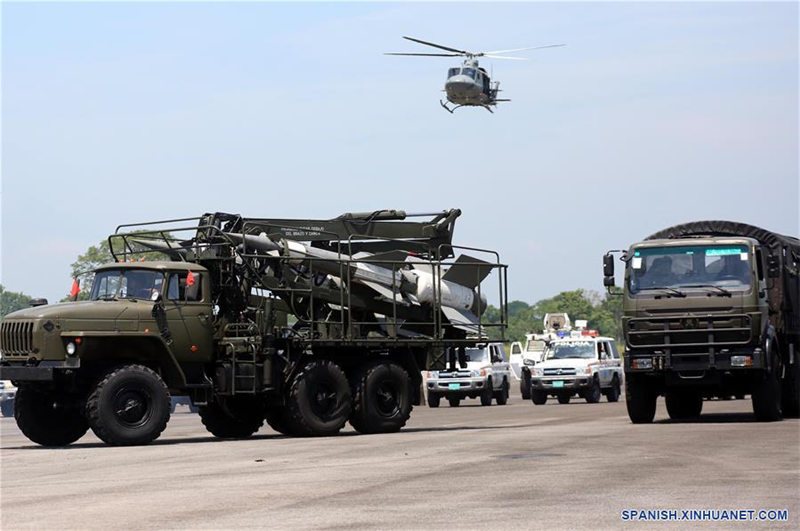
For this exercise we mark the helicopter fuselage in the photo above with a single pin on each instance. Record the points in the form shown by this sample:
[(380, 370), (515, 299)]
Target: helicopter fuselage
[(469, 85)]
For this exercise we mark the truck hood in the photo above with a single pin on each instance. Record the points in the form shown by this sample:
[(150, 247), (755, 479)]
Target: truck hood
[(87, 315), (566, 363)]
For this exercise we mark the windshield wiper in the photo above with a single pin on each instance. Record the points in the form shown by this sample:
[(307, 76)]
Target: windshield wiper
[(673, 291), (722, 291), (108, 298)]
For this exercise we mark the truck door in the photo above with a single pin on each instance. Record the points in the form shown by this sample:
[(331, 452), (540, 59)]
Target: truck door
[(188, 308)]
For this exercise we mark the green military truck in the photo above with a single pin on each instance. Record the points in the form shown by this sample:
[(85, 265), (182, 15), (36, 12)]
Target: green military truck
[(711, 308), (307, 324)]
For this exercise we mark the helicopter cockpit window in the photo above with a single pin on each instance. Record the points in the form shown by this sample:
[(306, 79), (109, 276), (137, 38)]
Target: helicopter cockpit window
[(469, 72), (453, 72)]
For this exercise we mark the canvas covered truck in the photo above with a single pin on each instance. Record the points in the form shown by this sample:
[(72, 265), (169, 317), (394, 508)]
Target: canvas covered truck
[(307, 324), (711, 308)]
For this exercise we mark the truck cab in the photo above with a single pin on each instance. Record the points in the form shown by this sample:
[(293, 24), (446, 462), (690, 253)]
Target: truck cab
[(583, 364), (482, 372)]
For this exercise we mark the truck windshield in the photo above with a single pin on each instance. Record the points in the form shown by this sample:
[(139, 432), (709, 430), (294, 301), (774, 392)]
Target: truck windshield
[(720, 266), (477, 354), (126, 284), (571, 349)]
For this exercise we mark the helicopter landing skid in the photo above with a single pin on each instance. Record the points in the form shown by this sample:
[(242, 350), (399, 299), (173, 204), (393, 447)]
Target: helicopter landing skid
[(448, 109)]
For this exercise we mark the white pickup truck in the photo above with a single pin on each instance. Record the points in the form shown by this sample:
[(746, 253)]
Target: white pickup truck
[(7, 394), (485, 374), (585, 365)]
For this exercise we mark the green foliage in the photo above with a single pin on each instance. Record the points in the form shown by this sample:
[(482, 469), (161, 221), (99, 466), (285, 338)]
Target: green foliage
[(603, 313), (11, 301)]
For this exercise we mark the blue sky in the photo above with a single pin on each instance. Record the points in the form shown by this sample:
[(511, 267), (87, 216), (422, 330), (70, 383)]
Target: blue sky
[(653, 114)]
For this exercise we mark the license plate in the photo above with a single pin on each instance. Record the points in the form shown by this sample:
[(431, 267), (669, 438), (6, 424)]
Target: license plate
[(558, 383), (454, 386)]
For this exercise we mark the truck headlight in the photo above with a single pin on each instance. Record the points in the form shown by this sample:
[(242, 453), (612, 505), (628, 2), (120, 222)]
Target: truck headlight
[(71, 348), (642, 363), (433, 375), (537, 371)]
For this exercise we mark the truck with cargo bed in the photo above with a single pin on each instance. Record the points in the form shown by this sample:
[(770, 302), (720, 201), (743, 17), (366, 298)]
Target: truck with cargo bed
[(711, 309), (307, 324)]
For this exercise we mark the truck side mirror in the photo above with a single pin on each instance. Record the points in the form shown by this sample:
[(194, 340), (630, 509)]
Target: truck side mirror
[(608, 270), (773, 267)]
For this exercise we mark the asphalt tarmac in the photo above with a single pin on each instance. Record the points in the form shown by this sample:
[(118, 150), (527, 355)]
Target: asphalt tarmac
[(517, 466)]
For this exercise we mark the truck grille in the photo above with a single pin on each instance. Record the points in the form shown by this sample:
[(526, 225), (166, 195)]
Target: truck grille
[(16, 337), (689, 331), (559, 372)]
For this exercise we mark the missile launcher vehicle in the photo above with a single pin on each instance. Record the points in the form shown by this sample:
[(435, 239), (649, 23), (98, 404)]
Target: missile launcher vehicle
[(307, 324), (711, 309)]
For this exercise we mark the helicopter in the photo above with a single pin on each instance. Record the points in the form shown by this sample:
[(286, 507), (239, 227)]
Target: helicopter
[(470, 85)]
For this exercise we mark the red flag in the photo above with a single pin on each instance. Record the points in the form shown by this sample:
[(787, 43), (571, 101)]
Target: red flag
[(76, 288), (190, 279)]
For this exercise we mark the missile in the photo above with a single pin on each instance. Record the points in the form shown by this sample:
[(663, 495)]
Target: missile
[(163, 246), (415, 284)]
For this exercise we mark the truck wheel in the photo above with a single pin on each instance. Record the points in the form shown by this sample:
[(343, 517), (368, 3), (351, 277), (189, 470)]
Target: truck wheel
[(525, 385), (488, 391), (612, 395), (319, 400), (640, 401), (790, 393), (538, 397), (235, 417), (278, 419), (454, 402), (129, 406), (683, 404), (767, 397), (7, 408), (47, 418), (433, 400), (382, 399), (502, 395), (593, 394), (564, 399)]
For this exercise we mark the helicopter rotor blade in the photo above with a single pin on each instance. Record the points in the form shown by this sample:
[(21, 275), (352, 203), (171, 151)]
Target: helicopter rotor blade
[(521, 49), (460, 52), (506, 57), (428, 54)]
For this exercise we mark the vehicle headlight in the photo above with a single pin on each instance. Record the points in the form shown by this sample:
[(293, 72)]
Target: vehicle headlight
[(538, 371), (433, 375), (529, 362), (71, 348), (588, 370)]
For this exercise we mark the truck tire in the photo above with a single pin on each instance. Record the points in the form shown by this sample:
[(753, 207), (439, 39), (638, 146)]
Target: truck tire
[(454, 402), (564, 399), (594, 394), (767, 397), (488, 391), (683, 404), (612, 395), (640, 401), (7, 408), (129, 406), (47, 419), (525, 385), (433, 400), (319, 401), (502, 395), (278, 419), (790, 394), (538, 397), (235, 417), (382, 402)]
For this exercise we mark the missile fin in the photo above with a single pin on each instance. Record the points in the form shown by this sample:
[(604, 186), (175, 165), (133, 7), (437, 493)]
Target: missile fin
[(384, 291), (463, 319), (468, 271), (418, 263)]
